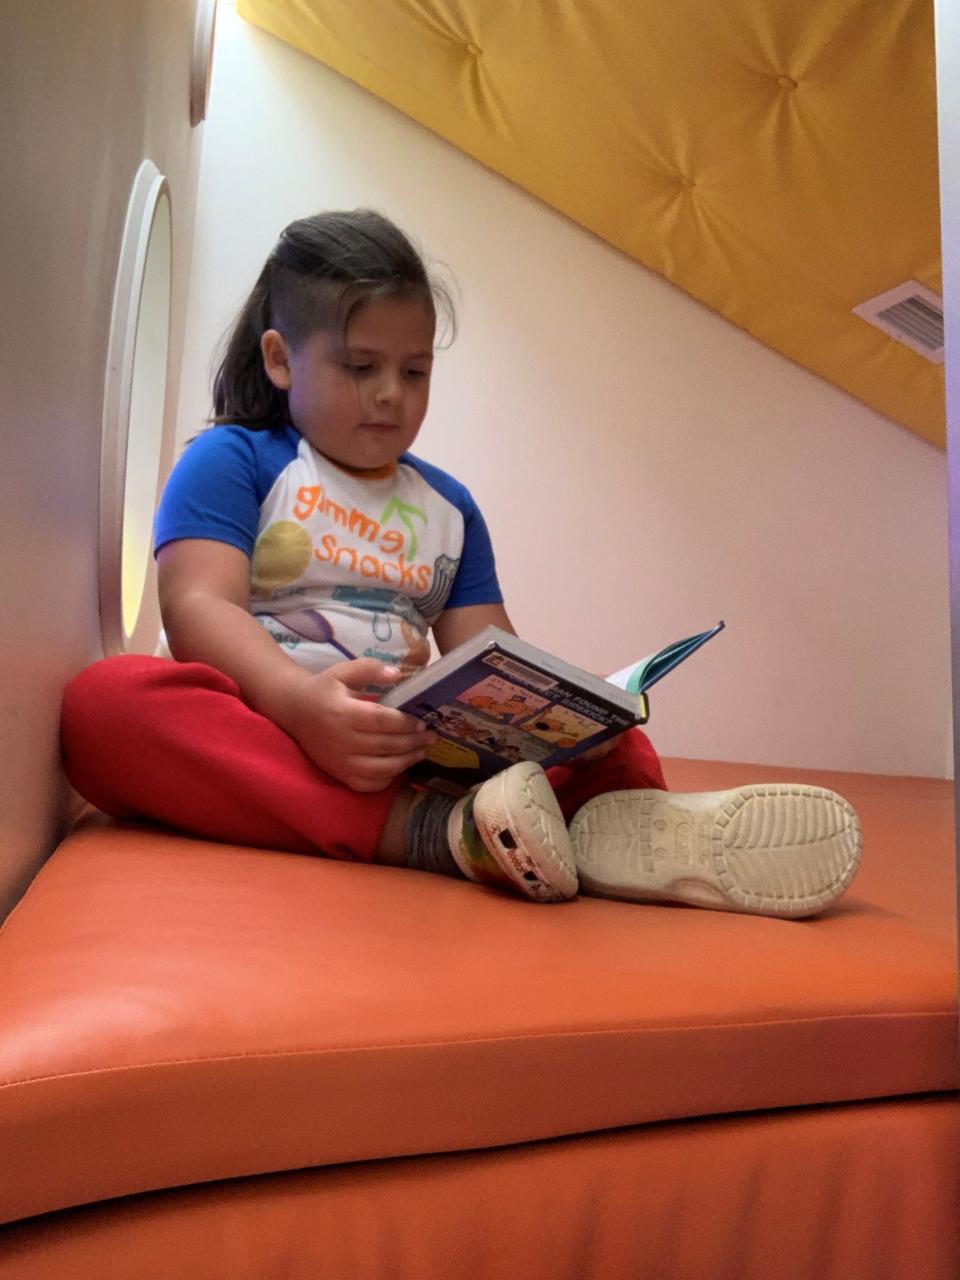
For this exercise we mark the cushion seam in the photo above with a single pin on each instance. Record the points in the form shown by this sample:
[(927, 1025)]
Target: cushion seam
[(325, 1050)]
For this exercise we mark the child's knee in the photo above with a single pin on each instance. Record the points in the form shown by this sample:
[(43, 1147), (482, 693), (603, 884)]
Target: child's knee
[(104, 683), (638, 761), (101, 702)]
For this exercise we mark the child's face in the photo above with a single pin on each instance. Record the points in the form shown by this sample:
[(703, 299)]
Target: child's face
[(359, 403)]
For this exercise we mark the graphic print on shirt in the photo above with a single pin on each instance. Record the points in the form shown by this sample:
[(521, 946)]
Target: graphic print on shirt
[(341, 563), (392, 613), (282, 553), (444, 572), (357, 565)]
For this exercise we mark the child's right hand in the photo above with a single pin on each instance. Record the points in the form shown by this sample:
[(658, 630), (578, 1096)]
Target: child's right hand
[(355, 740)]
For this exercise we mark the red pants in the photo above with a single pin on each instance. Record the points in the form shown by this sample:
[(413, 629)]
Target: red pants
[(175, 743)]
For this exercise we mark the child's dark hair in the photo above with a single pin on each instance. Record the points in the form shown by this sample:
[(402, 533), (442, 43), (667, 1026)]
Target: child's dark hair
[(321, 270)]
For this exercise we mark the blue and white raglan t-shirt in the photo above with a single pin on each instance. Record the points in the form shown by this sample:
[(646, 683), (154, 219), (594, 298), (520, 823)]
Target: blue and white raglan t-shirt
[(343, 564)]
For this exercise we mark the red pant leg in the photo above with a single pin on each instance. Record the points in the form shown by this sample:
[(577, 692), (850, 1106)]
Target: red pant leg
[(175, 743), (632, 765)]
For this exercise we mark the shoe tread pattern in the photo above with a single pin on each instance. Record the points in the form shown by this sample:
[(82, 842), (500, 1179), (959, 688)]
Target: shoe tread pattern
[(522, 801), (784, 846), (779, 849)]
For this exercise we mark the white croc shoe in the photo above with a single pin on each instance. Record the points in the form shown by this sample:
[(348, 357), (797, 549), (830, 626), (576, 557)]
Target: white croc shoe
[(776, 849), (510, 833)]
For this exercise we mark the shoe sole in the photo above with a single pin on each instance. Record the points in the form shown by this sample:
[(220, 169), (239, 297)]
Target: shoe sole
[(521, 825), (782, 849)]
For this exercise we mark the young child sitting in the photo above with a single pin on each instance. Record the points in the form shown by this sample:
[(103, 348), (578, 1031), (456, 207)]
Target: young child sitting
[(304, 555)]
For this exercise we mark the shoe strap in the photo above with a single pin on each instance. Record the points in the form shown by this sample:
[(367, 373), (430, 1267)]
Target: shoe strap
[(471, 854)]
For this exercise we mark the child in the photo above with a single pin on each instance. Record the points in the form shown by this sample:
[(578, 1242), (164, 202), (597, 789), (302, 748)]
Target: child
[(303, 556)]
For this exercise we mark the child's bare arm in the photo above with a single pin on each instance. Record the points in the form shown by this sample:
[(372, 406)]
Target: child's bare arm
[(204, 599), (455, 626)]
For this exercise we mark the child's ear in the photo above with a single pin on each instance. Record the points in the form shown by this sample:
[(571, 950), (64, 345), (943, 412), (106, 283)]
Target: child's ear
[(276, 359)]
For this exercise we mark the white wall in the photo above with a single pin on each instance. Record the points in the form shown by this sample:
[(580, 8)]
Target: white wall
[(645, 468), (86, 98)]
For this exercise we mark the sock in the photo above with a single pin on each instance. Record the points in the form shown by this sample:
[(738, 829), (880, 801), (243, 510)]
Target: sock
[(428, 848)]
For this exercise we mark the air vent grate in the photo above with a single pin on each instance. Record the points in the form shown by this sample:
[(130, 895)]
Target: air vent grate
[(912, 314)]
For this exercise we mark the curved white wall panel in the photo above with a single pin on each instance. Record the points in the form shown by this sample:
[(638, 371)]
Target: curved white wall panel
[(86, 100), (134, 404)]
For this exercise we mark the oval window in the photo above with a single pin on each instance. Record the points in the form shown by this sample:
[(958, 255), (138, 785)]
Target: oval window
[(134, 406)]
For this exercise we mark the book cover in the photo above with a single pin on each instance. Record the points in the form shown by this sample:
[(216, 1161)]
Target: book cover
[(497, 700)]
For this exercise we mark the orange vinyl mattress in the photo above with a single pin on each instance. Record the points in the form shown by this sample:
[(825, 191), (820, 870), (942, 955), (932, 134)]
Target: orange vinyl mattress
[(440, 1078)]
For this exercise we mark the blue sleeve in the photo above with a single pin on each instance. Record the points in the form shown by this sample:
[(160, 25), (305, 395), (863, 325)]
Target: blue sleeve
[(218, 485), (476, 578), (476, 581)]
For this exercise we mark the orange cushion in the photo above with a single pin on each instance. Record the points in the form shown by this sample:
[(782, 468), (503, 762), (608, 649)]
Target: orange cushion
[(176, 1011), (814, 1192)]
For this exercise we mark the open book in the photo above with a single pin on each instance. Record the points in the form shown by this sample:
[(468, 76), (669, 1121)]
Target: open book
[(497, 699)]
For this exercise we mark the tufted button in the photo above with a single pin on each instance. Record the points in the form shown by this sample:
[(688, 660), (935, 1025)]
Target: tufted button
[(786, 82), (686, 183), (474, 50)]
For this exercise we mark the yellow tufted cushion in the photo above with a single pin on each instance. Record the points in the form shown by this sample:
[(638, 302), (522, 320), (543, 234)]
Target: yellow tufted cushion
[(775, 159)]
